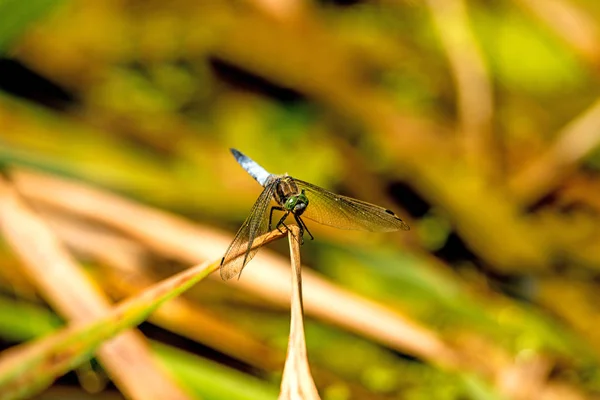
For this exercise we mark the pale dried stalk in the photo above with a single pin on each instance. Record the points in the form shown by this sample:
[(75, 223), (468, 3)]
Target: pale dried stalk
[(297, 382), (28, 368), (283, 10), (61, 281), (571, 24), (267, 279), (576, 140), (474, 91), (125, 276), (84, 239)]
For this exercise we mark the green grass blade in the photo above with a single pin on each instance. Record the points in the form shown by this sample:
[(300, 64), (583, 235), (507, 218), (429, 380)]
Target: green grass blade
[(20, 321), (30, 368), (210, 380)]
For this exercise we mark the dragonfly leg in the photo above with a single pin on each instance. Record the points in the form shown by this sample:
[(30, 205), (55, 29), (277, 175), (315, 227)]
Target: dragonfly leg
[(306, 228), (281, 221), (271, 216), (294, 236), (303, 228)]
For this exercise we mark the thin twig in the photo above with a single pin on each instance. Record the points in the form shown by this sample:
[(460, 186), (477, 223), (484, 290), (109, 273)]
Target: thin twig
[(474, 91), (174, 237), (124, 273), (576, 141), (283, 10), (29, 368), (569, 22), (297, 382), (61, 281)]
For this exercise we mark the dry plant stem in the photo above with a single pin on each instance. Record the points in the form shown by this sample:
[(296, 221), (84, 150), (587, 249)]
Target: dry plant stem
[(576, 140), (472, 82), (266, 279), (60, 280), (126, 276), (29, 368), (297, 382), (281, 9), (571, 24), (174, 237), (83, 239)]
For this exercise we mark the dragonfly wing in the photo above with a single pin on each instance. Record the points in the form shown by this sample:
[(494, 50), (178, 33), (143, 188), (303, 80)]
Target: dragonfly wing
[(240, 251), (343, 212)]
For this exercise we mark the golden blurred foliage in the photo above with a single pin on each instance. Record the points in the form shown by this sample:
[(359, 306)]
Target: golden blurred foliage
[(478, 122)]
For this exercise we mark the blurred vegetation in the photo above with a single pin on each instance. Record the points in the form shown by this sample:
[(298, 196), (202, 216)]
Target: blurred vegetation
[(478, 122)]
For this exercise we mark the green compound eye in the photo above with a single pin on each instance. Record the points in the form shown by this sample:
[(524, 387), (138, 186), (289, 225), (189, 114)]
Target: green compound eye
[(291, 203), (298, 201), (302, 197)]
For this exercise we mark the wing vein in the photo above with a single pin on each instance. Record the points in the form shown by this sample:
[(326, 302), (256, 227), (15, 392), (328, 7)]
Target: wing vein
[(255, 225)]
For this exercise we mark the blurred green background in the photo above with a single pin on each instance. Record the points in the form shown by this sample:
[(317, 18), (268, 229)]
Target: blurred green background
[(478, 122)]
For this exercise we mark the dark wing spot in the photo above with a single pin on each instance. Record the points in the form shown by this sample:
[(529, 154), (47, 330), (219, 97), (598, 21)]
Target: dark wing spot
[(222, 260), (404, 225)]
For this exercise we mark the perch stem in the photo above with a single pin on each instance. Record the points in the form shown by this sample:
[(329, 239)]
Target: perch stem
[(297, 382)]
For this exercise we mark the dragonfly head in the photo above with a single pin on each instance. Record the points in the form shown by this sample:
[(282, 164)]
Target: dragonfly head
[(297, 204)]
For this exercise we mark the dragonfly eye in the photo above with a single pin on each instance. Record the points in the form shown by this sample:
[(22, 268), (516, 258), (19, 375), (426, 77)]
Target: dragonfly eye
[(290, 203), (297, 203), (301, 203), (300, 206)]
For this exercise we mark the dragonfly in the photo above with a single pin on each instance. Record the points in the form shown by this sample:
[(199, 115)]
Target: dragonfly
[(301, 200)]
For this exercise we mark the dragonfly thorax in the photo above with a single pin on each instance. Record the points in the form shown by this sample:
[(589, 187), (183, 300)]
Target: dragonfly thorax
[(289, 196)]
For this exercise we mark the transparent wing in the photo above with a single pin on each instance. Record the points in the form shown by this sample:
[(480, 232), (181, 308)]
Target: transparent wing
[(343, 212), (255, 225)]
